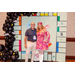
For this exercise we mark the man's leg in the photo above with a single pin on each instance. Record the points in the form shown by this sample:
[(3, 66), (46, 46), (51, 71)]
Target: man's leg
[(27, 51), (33, 51)]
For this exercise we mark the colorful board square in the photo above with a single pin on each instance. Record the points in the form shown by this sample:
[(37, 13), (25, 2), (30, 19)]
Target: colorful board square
[(19, 55), (45, 56), (16, 43), (58, 18), (60, 57), (57, 49), (63, 16), (19, 48), (62, 23), (57, 29), (19, 18), (57, 44), (16, 48), (19, 42), (62, 50), (18, 37), (23, 52), (42, 14), (46, 14), (54, 14), (19, 23), (19, 32), (49, 57), (17, 28), (53, 56), (61, 39)]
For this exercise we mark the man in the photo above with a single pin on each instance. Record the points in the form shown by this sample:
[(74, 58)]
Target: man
[(30, 37)]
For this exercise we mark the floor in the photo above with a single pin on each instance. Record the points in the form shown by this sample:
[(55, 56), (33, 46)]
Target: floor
[(70, 60), (67, 60)]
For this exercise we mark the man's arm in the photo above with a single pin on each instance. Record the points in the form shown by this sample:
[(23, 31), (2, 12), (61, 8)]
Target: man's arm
[(25, 40)]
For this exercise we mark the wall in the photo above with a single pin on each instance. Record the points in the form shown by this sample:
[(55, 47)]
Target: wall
[(2, 20), (70, 49), (71, 24), (70, 46)]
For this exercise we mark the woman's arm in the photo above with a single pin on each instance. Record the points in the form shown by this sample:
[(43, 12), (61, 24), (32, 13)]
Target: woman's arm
[(46, 35)]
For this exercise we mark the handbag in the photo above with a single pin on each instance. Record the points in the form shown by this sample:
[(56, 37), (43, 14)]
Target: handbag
[(36, 57)]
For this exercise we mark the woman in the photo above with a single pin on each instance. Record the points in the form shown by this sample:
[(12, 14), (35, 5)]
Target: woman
[(43, 38)]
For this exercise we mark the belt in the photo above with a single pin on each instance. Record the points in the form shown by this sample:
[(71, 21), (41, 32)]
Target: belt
[(31, 41)]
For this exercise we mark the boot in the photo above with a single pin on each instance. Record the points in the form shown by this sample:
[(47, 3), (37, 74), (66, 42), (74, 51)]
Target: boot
[(40, 58)]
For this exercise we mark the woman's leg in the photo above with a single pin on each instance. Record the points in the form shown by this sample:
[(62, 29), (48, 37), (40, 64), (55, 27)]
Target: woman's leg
[(41, 55)]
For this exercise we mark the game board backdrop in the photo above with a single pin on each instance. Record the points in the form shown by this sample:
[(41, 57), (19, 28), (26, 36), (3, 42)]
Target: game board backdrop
[(57, 30), (70, 31)]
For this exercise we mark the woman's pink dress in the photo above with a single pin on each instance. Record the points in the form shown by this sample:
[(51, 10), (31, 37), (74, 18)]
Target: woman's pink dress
[(40, 44)]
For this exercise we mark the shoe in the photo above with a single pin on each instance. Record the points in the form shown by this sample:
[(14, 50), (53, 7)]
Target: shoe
[(35, 61)]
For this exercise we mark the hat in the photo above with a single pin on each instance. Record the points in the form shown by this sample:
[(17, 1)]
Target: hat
[(40, 23)]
